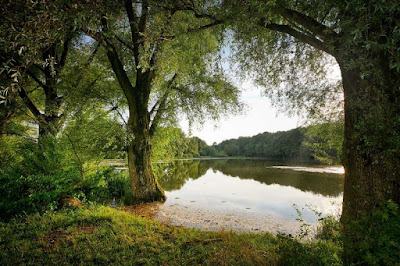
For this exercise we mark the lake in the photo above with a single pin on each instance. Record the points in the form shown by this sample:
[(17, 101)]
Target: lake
[(248, 195)]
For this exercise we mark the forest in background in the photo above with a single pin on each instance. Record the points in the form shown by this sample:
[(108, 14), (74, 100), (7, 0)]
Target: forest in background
[(320, 143)]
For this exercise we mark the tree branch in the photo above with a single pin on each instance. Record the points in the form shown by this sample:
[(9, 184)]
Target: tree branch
[(121, 116), (116, 63), (120, 73), (142, 27), (31, 106), (161, 107), (298, 35), (36, 79), (63, 58), (207, 26), (159, 112), (76, 155), (86, 66), (134, 31), (130, 47), (34, 89), (41, 69), (97, 36), (192, 30), (320, 30)]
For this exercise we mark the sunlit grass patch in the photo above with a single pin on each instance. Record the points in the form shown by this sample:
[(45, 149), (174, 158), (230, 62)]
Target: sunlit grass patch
[(102, 235)]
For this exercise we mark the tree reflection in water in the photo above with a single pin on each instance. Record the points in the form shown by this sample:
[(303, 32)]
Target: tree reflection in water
[(172, 176)]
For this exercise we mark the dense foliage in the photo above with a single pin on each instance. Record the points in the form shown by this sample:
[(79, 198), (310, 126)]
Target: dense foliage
[(172, 143), (44, 178), (283, 146), (378, 245)]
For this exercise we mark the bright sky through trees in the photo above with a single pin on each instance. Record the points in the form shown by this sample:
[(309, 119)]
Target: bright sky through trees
[(259, 115)]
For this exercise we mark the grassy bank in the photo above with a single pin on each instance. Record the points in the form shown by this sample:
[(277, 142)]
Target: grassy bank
[(102, 235)]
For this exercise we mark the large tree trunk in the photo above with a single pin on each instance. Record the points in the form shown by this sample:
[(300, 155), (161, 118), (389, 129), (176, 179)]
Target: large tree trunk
[(52, 121), (145, 187), (371, 150)]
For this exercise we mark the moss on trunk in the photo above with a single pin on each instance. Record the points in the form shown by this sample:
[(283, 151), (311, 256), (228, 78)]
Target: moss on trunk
[(370, 152)]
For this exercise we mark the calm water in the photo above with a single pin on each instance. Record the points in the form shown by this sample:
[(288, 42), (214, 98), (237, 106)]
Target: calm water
[(253, 187)]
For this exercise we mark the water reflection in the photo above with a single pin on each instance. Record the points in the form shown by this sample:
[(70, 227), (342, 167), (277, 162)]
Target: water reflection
[(173, 176), (250, 187)]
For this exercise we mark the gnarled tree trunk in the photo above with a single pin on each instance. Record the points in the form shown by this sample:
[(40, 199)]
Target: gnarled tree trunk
[(371, 149), (145, 187)]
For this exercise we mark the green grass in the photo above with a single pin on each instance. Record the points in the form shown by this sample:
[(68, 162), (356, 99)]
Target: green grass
[(103, 236)]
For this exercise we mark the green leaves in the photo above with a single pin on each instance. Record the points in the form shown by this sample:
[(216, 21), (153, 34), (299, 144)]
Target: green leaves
[(172, 143), (325, 141)]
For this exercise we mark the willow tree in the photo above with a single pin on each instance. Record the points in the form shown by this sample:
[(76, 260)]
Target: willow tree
[(143, 42), (36, 39), (279, 40)]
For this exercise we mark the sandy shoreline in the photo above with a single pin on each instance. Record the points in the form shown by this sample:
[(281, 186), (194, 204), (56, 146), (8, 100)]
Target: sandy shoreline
[(216, 220)]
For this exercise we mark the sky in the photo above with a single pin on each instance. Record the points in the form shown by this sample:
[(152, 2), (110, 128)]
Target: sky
[(259, 116)]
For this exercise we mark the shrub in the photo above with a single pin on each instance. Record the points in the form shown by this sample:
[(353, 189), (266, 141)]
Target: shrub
[(9, 152), (36, 179), (318, 252), (329, 229), (34, 193), (105, 185), (40, 175), (378, 237)]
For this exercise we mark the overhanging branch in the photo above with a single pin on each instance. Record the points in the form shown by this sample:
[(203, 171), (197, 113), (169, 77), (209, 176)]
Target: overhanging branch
[(63, 58), (320, 30), (31, 106), (297, 34), (36, 79), (159, 107)]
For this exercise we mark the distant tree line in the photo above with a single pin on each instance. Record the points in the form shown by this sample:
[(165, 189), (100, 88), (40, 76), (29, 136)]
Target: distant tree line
[(317, 143)]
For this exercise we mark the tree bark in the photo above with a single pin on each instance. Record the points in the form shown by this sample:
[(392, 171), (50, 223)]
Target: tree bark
[(51, 124), (145, 187), (371, 149)]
